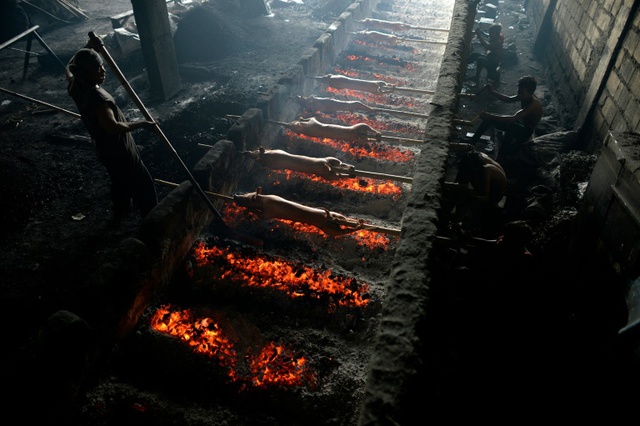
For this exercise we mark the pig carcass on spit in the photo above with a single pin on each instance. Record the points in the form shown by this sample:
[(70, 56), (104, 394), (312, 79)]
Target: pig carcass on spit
[(275, 207), (379, 36), (338, 81), (381, 24), (277, 159), (329, 105), (393, 39), (355, 133), (395, 26)]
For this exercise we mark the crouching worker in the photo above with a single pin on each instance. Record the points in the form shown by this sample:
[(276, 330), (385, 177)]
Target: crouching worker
[(519, 126), (329, 168), (274, 207), (483, 184), (111, 135)]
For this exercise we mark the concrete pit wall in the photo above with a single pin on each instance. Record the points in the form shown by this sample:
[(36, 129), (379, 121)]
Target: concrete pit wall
[(399, 371)]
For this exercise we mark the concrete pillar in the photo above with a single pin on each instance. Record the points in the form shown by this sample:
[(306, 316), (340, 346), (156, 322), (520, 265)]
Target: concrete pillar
[(152, 20)]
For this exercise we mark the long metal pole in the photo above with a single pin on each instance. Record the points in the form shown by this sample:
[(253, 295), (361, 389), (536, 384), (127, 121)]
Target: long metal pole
[(66, 111)]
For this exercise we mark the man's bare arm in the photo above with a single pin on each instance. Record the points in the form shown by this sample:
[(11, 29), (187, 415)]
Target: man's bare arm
[(501, 96), (108, 121)]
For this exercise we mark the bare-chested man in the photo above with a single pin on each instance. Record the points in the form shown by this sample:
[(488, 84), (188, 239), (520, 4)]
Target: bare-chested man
[(485, 175), (275, 207), (518, 127), (329, 168)]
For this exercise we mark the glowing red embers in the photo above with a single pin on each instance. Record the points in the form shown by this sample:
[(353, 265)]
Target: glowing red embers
[(294, 280), (377, 45), (370, 76), (371, 186), (385, 100), (357, 61), (274, 366), (278, 366), (377, 150)]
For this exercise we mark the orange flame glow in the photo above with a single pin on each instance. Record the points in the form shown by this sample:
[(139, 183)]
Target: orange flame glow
[(393, 61), (203, 335), (274, 366), (380, 151), (277, 366), (281, 275), (385, 100), (352, 184), (375, 76)]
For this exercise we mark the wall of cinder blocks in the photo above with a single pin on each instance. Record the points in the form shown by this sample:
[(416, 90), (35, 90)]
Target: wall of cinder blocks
[(592, 51)]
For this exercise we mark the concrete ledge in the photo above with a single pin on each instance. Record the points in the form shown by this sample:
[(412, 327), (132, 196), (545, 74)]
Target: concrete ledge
[(400, 380)]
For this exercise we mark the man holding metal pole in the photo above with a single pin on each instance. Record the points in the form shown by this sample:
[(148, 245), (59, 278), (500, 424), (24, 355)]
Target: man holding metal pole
[(111, 134)]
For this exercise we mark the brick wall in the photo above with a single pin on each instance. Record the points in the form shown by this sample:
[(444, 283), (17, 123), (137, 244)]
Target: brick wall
[(592, 55)]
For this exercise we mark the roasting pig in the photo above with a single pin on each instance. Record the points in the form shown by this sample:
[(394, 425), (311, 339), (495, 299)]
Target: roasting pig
[(328, 167), (381, 24), (275, 207), (382, 37), (355, 133), (328, 105), (338, 81), (395, 26)]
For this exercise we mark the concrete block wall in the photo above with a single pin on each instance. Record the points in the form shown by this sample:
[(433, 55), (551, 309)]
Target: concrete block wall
[(618, 107), (576, 43), (536, 11), (593, 59)]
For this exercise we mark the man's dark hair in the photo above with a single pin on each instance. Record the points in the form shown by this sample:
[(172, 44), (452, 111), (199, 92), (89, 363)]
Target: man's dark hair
[(528, 82)]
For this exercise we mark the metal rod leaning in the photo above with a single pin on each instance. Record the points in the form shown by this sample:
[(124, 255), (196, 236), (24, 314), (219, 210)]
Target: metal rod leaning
[(9, 92)]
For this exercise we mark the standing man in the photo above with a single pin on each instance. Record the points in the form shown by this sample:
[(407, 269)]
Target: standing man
[(111, 134), (518, 127)]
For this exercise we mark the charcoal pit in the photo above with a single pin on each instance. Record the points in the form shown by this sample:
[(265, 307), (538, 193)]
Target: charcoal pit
[(152, 377)]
